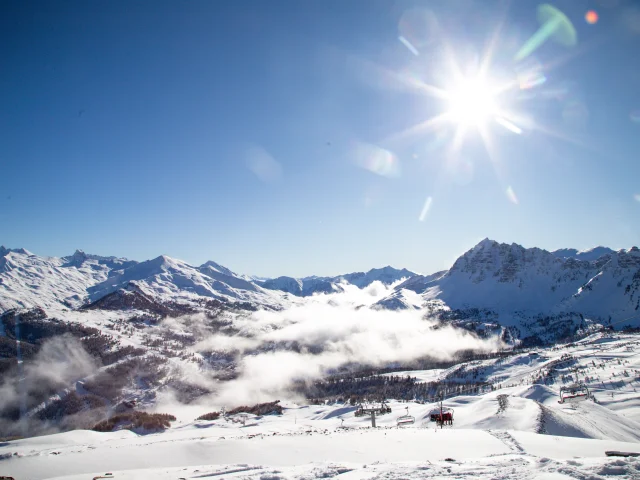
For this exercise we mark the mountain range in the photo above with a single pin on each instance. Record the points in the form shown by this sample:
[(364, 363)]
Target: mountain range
[(82, 334), (80, 280), (493, 284)]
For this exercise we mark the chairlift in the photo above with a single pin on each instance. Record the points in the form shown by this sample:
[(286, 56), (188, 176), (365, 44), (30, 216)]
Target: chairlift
[(573, 393), (444, 416), (406, 419)]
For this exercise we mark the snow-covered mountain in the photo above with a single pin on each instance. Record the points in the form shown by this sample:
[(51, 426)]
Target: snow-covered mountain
[(492, 284), (301, 287), (511, 284), (169, 279), (307, 286), (28, 280)]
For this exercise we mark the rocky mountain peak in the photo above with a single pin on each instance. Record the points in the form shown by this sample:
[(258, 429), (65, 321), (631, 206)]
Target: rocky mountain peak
[(22, 251)]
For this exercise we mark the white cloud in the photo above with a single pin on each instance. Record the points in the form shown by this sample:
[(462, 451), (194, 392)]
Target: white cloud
[(327, 337)]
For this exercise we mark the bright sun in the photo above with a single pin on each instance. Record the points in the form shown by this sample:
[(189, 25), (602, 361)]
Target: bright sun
[(472, 103)]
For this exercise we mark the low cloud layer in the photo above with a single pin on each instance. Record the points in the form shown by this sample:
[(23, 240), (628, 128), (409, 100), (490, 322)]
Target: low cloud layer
[(306, 342)]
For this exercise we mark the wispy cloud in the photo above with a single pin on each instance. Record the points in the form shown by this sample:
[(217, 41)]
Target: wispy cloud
[(60, 361)]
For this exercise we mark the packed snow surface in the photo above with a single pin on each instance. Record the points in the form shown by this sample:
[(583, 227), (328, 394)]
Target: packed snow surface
[(518, 430)]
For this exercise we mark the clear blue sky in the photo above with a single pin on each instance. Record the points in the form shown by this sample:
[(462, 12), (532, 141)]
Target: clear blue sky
[(130, 128)]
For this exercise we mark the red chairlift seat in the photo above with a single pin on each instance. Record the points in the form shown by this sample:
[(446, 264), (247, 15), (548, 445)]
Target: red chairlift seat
[(575, 392), (445, 417)]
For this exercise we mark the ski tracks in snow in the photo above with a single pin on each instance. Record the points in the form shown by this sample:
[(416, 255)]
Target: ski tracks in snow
[(507, 439)]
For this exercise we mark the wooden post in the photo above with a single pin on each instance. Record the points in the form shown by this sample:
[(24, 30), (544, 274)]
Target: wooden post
[(441, 417), (373, 419)]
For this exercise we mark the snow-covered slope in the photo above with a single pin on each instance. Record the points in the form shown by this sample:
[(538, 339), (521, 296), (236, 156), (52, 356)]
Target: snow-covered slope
[(517, 430), (588, 255), (524, 390), (266, 451)]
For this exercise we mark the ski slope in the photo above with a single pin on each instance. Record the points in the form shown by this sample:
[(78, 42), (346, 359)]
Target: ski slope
[(262, 447), (518, 430)]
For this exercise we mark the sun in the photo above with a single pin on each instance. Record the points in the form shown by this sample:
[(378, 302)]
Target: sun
[(472, 102)]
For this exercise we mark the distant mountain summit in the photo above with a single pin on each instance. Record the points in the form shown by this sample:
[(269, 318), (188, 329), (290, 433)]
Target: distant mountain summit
[(307, 286)]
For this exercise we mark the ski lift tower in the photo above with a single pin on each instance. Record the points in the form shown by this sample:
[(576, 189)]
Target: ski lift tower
[(373, 410)]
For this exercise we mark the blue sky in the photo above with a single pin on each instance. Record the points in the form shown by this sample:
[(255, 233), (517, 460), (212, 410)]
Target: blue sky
[(136, 128)]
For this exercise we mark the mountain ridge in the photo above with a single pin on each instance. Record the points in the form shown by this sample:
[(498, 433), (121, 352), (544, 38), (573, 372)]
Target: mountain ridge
[(508, 284), (28, 280)]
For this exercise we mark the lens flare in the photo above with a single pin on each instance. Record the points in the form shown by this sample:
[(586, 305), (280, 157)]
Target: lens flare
[(376, 159), (425, 209), (591, 17), (636, 197), (461, 170), (476, 97), (508, 125), (553, 25), (575, 113), (408, 44), (418, 26), (263, 165), (635, 116), (530, 74)]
